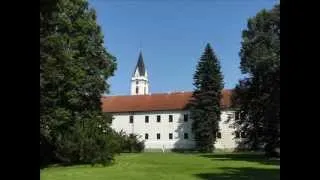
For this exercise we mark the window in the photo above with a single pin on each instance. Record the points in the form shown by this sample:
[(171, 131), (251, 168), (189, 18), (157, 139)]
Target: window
[(170, 135), (237, 115), (137, 90), (237, 134), (185, 117), (137, 82), (158, 135), (158, 118), (170, 118), (219, 135), (146, 119), (146, 136), (243, 134), (186, 136), (131, 119)]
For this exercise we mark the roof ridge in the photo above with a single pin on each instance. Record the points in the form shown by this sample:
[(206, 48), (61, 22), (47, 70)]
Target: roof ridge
[(159, 93)]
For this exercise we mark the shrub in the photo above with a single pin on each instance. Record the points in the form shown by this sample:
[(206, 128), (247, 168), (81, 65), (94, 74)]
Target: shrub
[(130, 143), (90, 141)]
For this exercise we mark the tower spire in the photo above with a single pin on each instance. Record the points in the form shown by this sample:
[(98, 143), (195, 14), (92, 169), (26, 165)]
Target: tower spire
[(140, 67), (139, 80)]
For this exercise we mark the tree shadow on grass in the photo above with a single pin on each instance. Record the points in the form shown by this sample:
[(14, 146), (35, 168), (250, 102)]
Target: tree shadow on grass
[(249, 157), (246, 173)]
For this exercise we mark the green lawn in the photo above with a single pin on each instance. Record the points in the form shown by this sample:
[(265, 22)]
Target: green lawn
[(168, 166)]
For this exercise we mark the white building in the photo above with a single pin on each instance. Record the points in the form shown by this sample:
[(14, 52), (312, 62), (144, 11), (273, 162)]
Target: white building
[(162, 119)]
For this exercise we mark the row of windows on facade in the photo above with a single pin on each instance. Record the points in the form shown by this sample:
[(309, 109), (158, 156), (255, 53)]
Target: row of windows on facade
[(241, 134), (186, 135), (236, 116), (185, 118), (146, 118)]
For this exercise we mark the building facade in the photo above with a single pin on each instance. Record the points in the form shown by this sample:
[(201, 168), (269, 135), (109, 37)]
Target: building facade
[(162, 120)]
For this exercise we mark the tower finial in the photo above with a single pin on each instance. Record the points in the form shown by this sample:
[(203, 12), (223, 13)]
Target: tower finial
[(140, 46)]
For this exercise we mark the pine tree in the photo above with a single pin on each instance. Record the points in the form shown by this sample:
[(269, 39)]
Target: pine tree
[(258, 96), (205, 106), (73, 67)]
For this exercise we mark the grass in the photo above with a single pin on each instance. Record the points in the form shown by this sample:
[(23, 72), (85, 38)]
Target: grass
[(169, 166)]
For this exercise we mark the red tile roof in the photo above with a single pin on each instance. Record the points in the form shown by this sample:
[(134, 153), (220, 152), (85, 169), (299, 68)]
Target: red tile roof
[(154, 102)]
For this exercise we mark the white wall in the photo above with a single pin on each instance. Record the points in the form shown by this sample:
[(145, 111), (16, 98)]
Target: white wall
[(227, 140), (178, 127), (143, 84)]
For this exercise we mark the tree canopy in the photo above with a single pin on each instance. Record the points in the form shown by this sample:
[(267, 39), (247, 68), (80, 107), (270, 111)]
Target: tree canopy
[(74, 65), (258, 95)]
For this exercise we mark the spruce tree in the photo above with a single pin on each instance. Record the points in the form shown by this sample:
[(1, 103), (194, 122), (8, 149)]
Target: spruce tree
[(205, 105)]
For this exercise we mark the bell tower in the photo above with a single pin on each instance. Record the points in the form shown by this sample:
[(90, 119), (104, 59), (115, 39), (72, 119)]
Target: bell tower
[(139, 79)]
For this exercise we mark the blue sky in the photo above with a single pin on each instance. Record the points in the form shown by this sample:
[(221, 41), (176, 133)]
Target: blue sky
[(172, 36)]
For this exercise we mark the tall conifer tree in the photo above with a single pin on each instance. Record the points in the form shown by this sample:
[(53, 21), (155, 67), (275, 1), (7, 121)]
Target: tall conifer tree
[(205, 106)]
